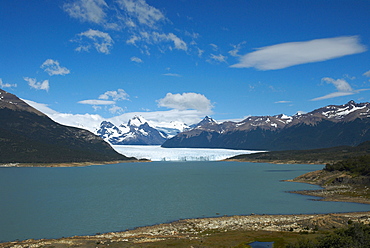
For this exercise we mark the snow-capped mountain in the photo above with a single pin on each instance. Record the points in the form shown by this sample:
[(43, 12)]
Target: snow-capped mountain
[(136, 132), (207, 121), (333, 125)]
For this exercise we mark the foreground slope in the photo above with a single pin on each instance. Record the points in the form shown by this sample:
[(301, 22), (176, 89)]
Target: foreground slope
[(330, 126), (29, 136)]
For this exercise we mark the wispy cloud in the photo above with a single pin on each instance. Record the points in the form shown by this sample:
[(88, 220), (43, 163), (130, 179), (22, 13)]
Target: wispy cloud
[(44, 85), (52, 67), (116, 110), (102, 41), (142, 12), (136, 59), (141, 22), (172, 75), (217, 58), (295, 53), (236, 49), (87, 10), (214, 47), (116, 95), (6, 85), (367, 74), (342, 86), (283, 102), (109, 100), (97, 102), (158, 38), (186, 101)]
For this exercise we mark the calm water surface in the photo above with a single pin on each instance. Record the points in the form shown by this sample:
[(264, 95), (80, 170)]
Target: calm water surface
[(56, 202)]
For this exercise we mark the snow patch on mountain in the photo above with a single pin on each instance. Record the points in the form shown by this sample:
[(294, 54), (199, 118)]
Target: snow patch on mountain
[(339, 113)]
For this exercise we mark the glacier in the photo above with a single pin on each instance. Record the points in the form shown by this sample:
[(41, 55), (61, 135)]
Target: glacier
[(158, 153)]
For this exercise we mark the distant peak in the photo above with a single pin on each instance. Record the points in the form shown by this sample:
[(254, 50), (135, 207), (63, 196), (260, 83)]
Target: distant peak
[(206, 120), (106, 124), (300, 113), (136, 121)]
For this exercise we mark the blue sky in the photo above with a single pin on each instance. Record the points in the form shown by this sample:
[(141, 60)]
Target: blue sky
[(184, 59)]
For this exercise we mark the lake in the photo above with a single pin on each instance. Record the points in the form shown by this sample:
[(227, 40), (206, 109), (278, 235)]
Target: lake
[(56, 202)]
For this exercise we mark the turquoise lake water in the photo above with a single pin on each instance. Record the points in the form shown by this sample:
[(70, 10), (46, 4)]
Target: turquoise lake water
[(60, 202)]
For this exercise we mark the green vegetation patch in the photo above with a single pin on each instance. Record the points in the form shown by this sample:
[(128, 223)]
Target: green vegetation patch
[(316, 156), (359, 166), (356, 235)]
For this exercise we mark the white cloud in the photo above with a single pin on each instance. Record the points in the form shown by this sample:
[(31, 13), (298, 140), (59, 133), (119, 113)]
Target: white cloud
[(116, 110), (333, 95), (136, 17), (41, 107), (52, 67), (367, 74), (189, 116), (214, 47), (294, 53), (118, 95), (192, 35), (342, 86), (142, 12), (97, 102), (186, 101), (136, 59), (200, 52), (218, 58), (158, 38), (87, 121), (6, 85), (87, 10), (283, 102), (172, 75), (235, 51), (102, 41), (37, 85), (133, 39), (92, 121)]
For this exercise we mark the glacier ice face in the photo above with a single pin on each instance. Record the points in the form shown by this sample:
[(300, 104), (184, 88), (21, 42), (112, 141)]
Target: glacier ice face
[(157, 153)]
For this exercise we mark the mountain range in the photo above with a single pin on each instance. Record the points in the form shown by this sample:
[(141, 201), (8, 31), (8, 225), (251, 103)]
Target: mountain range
[(29, 136), (330, 126), (138, 131)]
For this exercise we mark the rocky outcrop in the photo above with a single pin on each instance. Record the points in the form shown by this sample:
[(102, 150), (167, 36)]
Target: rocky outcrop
[(337, 186)]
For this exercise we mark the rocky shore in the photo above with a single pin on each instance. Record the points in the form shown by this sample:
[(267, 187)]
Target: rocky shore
[(72, 164), (336, 186), (199, 229)]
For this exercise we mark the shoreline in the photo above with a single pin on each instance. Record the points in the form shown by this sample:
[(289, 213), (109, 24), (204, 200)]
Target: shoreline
[(71, 164), (274, 161), (340, 192), (188, 230)]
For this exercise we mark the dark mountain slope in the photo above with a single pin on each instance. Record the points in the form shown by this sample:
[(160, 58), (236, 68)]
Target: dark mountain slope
[(28, 136), (317, 156)]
